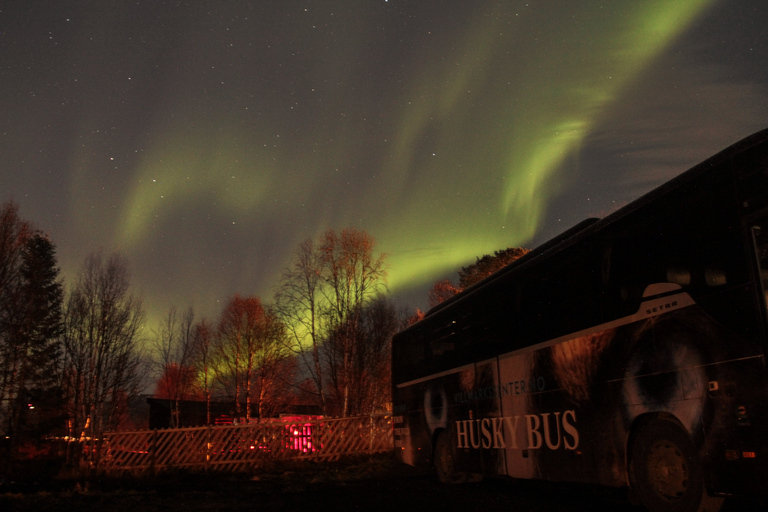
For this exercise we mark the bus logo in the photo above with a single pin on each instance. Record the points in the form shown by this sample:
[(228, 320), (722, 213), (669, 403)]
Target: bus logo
[(553, 430)]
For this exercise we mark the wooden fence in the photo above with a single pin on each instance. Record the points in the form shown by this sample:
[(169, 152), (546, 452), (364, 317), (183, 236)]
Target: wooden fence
[(241, 447)]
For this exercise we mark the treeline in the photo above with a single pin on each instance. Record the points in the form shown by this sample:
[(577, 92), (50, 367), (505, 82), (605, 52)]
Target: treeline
[(73, 356)]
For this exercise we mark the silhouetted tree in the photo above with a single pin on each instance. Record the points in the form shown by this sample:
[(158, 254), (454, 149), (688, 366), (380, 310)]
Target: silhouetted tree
[(42, 297), (203, 361), (174, 345), (14, 233), (364, 384), (30, 342), (474, 273), (250, 348), (103, 360), (321, 298), (30, 321), (441, 291), (299, 302), (489, 264)]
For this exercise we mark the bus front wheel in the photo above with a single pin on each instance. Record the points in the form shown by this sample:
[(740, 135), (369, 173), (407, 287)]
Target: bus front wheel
[(445, 460), (664, 470)]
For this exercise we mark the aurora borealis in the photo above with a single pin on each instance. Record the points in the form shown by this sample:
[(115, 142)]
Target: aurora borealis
[(205, 140)]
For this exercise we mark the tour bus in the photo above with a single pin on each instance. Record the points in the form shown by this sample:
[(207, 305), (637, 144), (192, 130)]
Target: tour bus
[(628, 351)]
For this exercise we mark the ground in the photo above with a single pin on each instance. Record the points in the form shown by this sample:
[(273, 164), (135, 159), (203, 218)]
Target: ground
[(367, 483)]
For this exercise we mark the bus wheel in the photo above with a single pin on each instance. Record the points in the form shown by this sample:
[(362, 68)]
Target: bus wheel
[(664, 470), (445, 460)]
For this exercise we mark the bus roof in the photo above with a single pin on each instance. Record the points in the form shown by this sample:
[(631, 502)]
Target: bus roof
[(591, 225)]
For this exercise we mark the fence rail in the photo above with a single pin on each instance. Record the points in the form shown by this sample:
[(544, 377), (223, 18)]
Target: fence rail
[(241, 447)]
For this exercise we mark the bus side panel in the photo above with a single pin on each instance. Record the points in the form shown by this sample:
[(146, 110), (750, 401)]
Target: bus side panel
[(566, 411), (431, 406), (603, 382), (572, 404), (550, 438), (412, 442), (516, 381)]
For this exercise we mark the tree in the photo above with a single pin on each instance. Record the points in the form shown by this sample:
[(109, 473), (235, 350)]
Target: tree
[(365, 382), (249, 350), (204, 362), (14, 233), (352, 276), (174, 345), (488, 265), (298, 302), (321, 297), (441, 291), (31, 325), (42, 297), (474, 273), (103, 360)]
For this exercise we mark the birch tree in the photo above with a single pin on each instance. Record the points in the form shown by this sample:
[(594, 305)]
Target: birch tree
[(321, 297), (174, 344), (249, 351), (298, 302), (204, 362), (103, 360)]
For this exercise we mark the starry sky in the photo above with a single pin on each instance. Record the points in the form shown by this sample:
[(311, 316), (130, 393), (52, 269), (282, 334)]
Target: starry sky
[(205, 140)]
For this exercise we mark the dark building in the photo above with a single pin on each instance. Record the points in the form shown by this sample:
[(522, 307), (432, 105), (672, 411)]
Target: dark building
[(192, 413)]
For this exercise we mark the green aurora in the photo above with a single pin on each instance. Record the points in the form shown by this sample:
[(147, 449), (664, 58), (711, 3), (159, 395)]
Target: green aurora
[(431, 209), (205, 142)]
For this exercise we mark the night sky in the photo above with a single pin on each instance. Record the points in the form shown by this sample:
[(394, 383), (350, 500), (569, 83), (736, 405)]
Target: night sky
[(205, 140)]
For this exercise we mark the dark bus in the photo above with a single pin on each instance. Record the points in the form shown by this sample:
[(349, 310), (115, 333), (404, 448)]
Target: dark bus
[(628, 351)]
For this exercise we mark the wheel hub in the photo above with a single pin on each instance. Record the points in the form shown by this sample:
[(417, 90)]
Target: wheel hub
[(667, 470)]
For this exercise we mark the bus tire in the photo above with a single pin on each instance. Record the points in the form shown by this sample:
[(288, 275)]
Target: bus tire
[(664, 470), (445, 460)]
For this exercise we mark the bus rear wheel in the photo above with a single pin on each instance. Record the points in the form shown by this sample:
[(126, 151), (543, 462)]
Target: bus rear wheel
[(445, 460), (664, 470)]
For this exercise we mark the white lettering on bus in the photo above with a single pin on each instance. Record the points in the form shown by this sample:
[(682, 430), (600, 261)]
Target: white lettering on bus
[(512, 429), (553, 430), (534, 438), (511, 388), (498, 433), (568, 427)]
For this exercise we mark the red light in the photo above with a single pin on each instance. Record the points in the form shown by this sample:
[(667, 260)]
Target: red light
[(749, 455)]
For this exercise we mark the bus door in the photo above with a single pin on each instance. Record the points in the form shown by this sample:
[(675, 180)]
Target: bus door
[(760, 240), (515, 379), (487, 433)]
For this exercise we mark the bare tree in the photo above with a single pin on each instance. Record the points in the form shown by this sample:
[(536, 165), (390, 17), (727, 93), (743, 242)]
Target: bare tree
[(174, 344), (352, 276), (365, 381), (249, 350), (102, 354), (204, 362), (321, 297), (298, 302), (273, 372)]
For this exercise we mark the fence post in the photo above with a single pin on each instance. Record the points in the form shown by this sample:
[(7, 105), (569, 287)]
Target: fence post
[(208, 449), (152, 450), (370, 423), (317, 436)]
